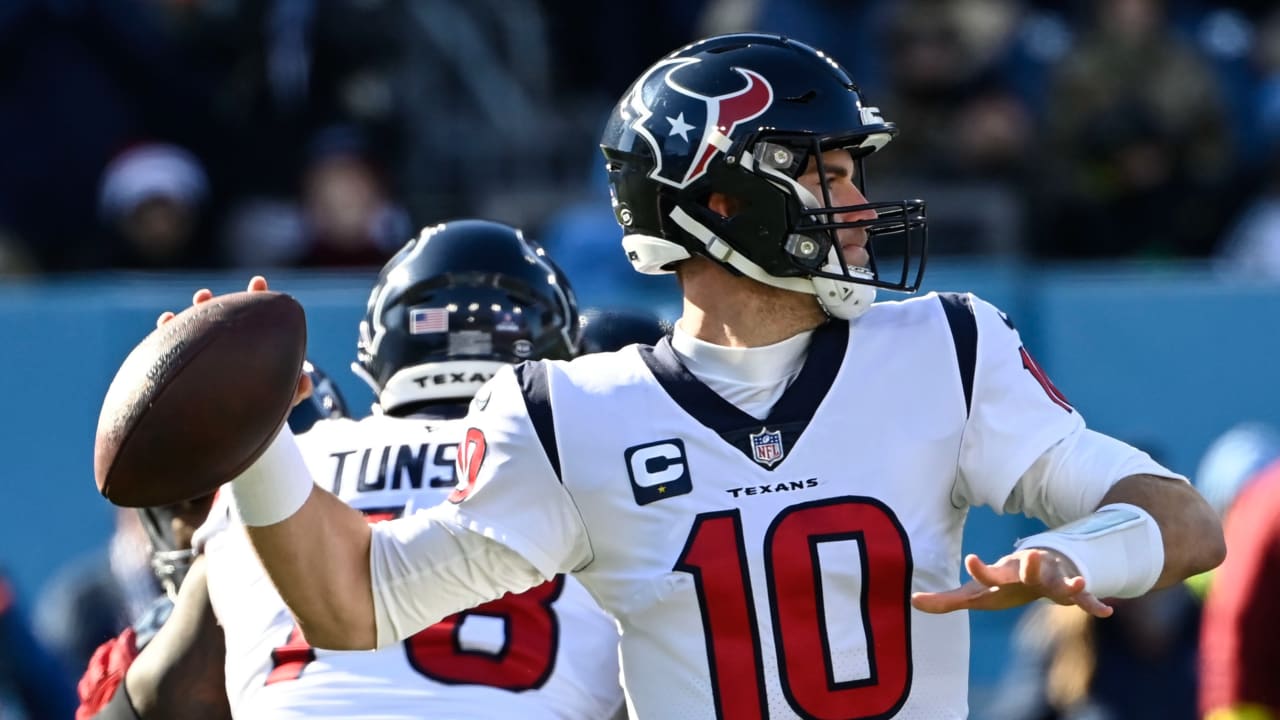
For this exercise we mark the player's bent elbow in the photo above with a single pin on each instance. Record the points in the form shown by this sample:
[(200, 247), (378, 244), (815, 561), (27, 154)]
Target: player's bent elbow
[(1200, 534), (1194, 542), (1214, 547)]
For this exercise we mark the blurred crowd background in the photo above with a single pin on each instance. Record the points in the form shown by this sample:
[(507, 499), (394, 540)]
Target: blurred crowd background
[(305, 138), (161, 134)]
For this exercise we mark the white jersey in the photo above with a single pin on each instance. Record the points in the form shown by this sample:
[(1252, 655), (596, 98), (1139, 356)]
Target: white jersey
[(762, 568), (546, 653)]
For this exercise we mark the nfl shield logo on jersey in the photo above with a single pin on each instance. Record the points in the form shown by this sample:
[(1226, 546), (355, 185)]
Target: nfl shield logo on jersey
[(766, 447)]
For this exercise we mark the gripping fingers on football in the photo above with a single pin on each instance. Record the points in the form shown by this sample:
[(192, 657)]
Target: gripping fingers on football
[(259, 284), (305, 386), (256, 284)]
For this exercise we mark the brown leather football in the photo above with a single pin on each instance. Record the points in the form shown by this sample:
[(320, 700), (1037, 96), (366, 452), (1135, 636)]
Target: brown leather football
[(199, 399)]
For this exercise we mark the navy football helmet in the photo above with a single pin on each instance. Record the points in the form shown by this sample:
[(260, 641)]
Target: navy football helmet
[(453, 306), (743, 115), (609, 330), (169, 528), (326, 401)]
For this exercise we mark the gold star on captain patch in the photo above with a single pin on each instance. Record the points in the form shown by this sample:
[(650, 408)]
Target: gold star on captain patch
[(662, 489)]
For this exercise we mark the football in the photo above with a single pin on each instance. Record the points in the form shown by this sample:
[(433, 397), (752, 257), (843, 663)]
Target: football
[(199, 399)]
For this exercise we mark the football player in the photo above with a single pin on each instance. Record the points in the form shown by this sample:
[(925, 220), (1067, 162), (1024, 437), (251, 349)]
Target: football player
[(324, 402), (457, 304), (610, 330), (770, 502)]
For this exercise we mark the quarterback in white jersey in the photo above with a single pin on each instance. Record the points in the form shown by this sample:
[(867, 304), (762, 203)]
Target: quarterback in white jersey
[(549, 652), (771, 501), (780, 553)]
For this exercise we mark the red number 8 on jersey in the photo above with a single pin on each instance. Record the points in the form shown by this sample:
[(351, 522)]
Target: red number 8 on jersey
[(525, 661)]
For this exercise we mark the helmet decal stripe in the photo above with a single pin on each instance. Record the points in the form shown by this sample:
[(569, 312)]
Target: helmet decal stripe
[(712, 117), (726, 112)]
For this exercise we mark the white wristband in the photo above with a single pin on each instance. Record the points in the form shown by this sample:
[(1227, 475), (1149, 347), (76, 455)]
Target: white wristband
[(1118, 549), (276, 485)]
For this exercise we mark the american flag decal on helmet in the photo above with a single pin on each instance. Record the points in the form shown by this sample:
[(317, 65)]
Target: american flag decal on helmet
[(428, 320)]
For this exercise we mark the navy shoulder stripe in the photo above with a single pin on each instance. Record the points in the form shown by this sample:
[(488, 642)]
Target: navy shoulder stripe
[(964, 333), (532, 376)]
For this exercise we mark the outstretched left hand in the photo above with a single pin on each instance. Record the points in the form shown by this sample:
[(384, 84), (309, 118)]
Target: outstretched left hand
[(1014, 580)]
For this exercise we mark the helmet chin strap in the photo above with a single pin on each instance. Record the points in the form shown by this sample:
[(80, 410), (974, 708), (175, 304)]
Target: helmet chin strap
[(839, 298)]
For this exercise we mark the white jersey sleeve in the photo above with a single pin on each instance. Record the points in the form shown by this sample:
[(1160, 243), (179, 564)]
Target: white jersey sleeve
[(509, 486), (1071, 478), (508, 525), (425, 567), (1025, 448), (1015, 416)]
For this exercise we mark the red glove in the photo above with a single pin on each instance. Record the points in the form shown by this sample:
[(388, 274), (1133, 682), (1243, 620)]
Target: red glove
[(105, 673)]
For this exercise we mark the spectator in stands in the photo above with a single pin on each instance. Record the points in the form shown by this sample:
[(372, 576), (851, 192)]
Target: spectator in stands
[(969, 133), (345, 216), (152, 202), (1136, 126), (947, 88), (349, 213), (80, 80)]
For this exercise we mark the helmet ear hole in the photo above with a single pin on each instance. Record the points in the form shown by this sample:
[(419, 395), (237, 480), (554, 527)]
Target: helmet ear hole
[(723, 204)]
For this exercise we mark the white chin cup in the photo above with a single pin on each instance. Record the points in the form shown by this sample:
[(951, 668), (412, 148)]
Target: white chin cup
[(650, 255), (843, 299)]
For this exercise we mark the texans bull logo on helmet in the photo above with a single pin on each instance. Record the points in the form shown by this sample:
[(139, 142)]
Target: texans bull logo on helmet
[(687, 117)]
